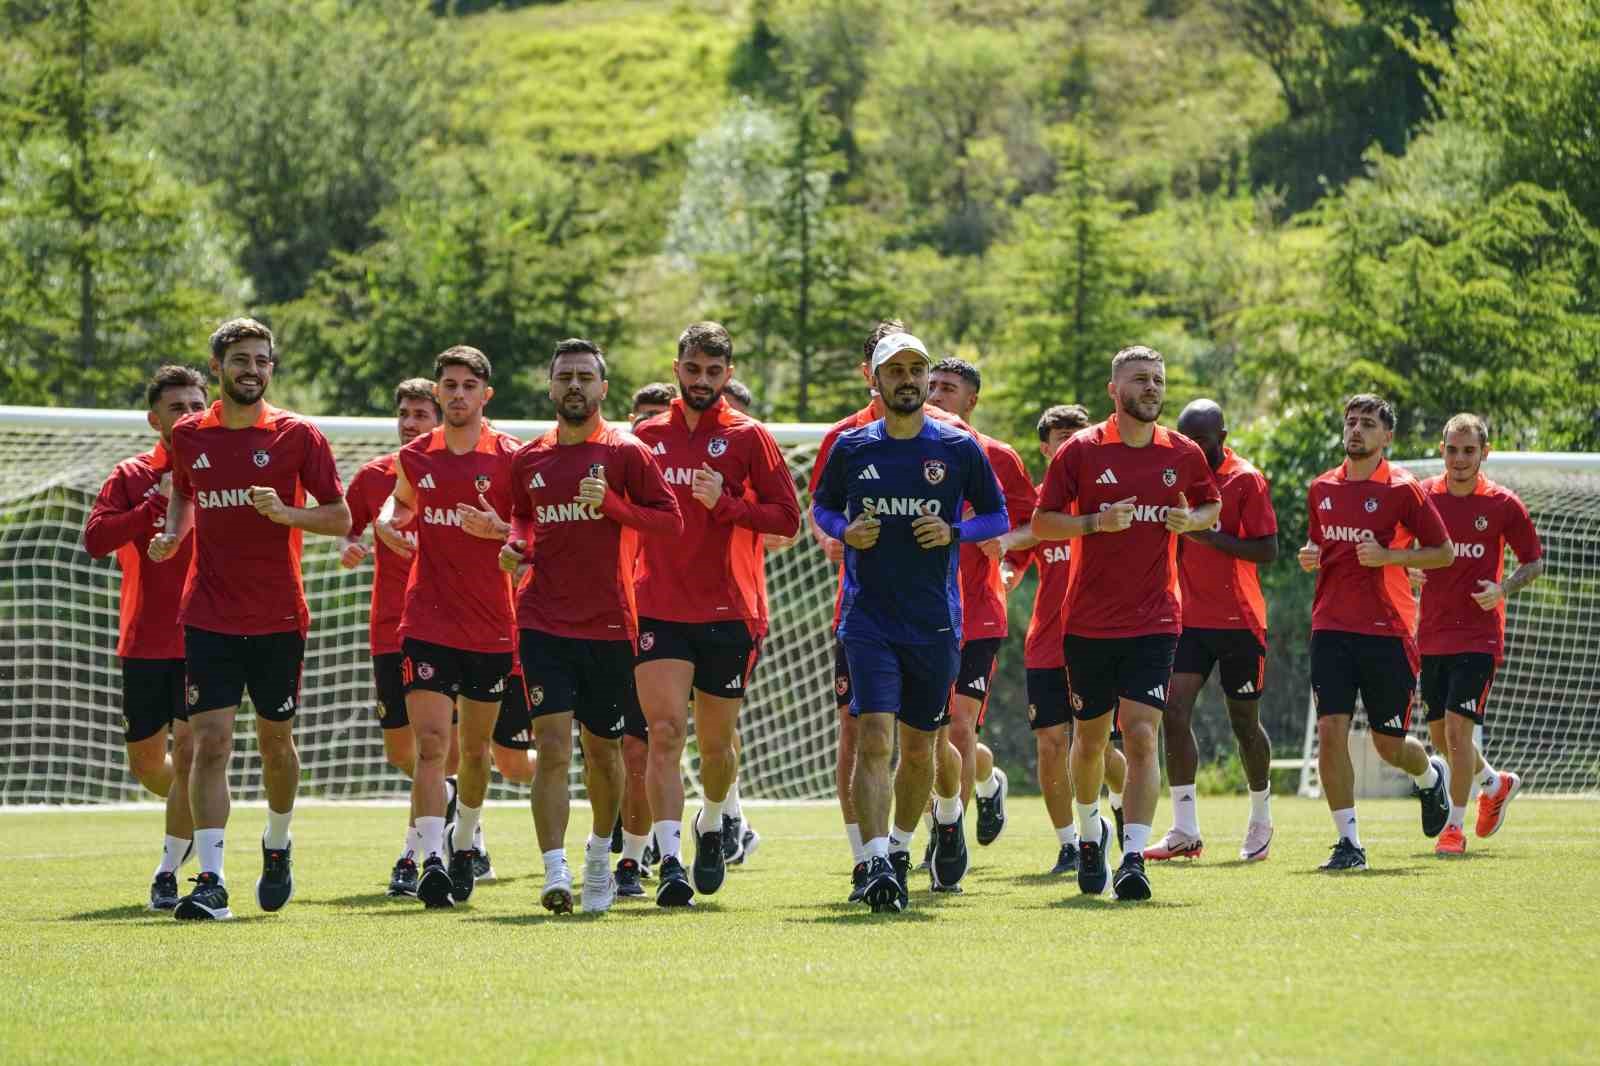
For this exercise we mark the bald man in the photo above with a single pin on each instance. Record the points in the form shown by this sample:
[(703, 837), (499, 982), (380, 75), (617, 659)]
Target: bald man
[(1224, 625)]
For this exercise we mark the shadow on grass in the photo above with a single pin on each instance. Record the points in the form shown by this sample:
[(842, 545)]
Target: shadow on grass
[(1381, 871), (1034, 880), (125, 913), (361, 899), (1110, 905), (859, 915)]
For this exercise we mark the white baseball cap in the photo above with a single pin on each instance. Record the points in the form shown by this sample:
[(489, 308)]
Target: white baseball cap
[(893, 344)]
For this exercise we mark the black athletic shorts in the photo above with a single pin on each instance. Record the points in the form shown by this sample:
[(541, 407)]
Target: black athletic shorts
[(387, 679), (1378, 668), (1103, 670), (475, 675), (723, 653), (1457, 683), (222, 667), (589, 679), (1049, 699), (514, 727), (841, 675), (977, 671), (152, 697), (1243, 659)]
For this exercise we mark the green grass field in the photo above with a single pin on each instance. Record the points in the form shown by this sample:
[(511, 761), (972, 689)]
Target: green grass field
[(1494, 957)]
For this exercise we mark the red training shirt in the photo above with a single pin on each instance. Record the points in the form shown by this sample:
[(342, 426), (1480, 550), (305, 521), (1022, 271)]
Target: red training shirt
[(1480, 526), (1042, 648), (372, 485), (127, 514), (244, 578), (1125, 584), (1221, 591), (983, 594)]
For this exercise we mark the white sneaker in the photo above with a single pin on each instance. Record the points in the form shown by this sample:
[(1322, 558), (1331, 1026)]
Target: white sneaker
[(557, 896), (1257, 841), (599, 885), (1175, 845)]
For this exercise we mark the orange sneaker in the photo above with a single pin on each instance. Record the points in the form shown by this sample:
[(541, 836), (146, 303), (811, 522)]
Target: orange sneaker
[(1492, 808), (1451, 842)]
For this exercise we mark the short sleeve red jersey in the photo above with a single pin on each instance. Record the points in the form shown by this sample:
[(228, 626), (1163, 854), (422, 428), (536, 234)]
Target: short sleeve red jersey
[(704, 574), (1481, 526), (372, 485), (983, 594), (1042, 649), (245, 576), (458, 596), (129, 511), (583, 556), (1389, 508), (1221, 591), (1125, 584)]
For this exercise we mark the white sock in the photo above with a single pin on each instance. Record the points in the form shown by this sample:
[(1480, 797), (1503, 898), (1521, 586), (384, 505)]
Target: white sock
[(878, 848), (277, 834), (927, 819), (598, 849), (730, 803), (711, 816), (1428, 778), (1185, 816), (1260, 809), (466, 825), (173, 850), (946, 811), (633, 845), (555, 857), (413, 848), (430, 837), (1135, 838), (208, 844), (1068, 834), (1115, 798), (858, 850), (1489, 779), (900, 839), (988, 788), (669, 839), (1089, 821), (1458, 816), (1344, 820)]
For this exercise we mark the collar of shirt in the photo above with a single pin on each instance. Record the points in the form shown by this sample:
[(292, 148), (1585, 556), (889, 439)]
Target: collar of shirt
[(1112, 435), (267, 418), (1383, 475), (1480, 487), (487, 436)]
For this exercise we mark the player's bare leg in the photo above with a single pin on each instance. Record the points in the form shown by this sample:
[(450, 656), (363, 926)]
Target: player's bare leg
[(1053, 747), (151, 765), (635, 815), (1183, 757), (476, 721), (1086, 767), (964, 711), (552, 806), (430, 714), (664, 686), (178, 839), (1255, 752), (603, 759), (514, 764), (716, 721), (843, 771), (1140, 741), (1116, 771), (984, 761), (870, 786), (209, 799), (1462, 756)]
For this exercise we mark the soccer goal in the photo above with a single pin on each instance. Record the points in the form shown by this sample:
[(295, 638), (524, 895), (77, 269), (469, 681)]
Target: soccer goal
[(1544, 711), (60, 684)]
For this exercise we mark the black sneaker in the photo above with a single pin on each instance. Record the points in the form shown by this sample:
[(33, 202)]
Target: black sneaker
[(1131, 881), (616, 837), (882, 891), (433, 887), (1122, 836), (482, 868), (674, 889), (1436, 800), (747, 845), (403, 881), (732, 840), (949, 855), (628, 879), (1066, 862), (709, 868), (858, 881), (164, 892), (1092, 872), (1346, 856), (461, 874), (208, 901), (900, 863), (276, 885), (992, 812)]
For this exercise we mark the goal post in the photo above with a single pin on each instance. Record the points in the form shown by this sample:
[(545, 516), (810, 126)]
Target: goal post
[(60, 683), (1543, 719)]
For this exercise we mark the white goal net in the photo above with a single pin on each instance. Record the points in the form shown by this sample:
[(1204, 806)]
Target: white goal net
[(60, 683), (1543, 720)]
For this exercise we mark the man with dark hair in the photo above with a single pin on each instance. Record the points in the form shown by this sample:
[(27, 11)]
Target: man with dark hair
[(580, 495), (739, 396), (699, 613), (1462, 627), (1224, 628), (130, 510), (1125, 486), (886, 491), (1363, 617), (457, 625), (953, 385), (650, 400), (241, 473)]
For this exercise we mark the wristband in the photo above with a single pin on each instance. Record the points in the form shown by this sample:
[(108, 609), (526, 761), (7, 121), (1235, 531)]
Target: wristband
[(955, 532)]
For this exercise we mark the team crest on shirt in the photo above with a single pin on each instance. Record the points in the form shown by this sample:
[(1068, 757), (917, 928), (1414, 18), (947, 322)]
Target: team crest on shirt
[(717, 446), (535, 695), (1371, 505), (193, 695), (260, 457), (647, 641), (481, 482), (934, 470), (425, 671), (1480, 523), (1169, 477)]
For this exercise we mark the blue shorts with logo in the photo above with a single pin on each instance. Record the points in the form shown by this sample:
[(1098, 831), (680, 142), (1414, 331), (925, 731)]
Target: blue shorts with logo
[(910, 681)]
